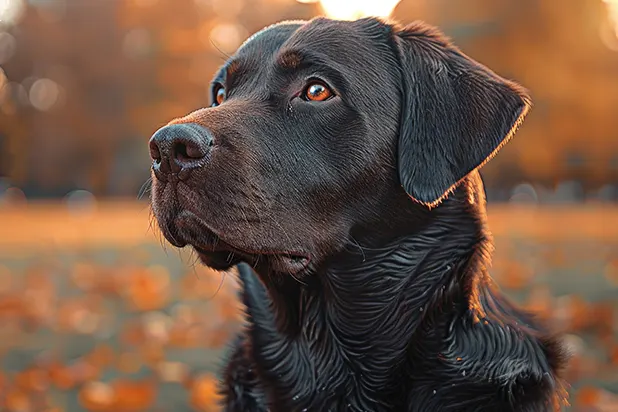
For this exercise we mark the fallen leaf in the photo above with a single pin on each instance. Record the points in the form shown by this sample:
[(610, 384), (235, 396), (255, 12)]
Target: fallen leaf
[(97, 396)]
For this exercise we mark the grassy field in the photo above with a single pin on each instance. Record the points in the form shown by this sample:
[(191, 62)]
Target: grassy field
[(95, 314)]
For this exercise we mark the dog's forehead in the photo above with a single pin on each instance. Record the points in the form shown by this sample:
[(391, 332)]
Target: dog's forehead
[(346, 42), (324, 33)]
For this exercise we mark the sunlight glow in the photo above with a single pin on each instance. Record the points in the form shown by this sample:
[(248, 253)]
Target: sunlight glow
[(612, 11), (355, 9), (11, 11)]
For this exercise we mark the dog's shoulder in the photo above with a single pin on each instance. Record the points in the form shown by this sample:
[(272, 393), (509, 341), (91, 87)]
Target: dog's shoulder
[(495, 357)]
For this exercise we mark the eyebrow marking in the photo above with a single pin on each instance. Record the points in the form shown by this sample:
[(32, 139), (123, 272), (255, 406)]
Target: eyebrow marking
[(290, 59)]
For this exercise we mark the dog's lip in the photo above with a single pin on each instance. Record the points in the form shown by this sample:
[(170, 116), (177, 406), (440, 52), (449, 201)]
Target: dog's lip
[(218, 260), (288, 260), (170, 232), (281, 262), (224, 247)]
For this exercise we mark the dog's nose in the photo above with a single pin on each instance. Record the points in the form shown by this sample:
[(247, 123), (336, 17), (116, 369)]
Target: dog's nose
[(180, 147)]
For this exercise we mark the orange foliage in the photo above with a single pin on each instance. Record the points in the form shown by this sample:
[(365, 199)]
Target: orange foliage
[(17, 400), (121, 395), (588, 396), (133, 395), (147, 288), (61, 376)]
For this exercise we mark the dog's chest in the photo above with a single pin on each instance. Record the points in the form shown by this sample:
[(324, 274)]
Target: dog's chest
[(351, 368), (348, 335)]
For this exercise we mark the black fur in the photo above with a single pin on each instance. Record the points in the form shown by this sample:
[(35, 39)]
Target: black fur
[(358, 224)]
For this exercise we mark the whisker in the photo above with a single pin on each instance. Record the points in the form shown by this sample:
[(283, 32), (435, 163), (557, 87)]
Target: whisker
[(146, 188), (230, 257), (196, 259), (220, 285), (224, 56)]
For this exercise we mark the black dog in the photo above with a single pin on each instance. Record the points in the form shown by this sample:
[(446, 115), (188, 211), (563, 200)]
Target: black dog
[(339, 161)]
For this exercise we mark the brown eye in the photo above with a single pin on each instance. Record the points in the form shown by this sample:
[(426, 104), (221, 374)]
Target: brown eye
[(219, 96), (317, 92)]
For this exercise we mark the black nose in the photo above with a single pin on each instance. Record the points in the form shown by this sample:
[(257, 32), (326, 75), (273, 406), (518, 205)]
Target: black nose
[(179, 148)]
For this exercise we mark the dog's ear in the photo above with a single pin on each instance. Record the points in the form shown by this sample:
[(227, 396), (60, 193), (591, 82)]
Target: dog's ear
[(456, 113)]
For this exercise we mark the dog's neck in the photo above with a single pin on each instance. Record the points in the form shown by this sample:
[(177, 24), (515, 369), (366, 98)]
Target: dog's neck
[(361, 310)]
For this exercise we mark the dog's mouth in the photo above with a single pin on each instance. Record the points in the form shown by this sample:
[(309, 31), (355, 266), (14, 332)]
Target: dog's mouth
[(215, 252), (223, 259), (218, 259)]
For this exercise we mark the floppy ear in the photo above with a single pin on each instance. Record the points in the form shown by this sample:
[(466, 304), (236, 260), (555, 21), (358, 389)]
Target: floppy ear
[(456, 113)]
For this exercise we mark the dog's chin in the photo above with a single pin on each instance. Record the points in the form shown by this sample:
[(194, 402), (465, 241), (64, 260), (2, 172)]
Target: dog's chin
[(219, 260), (266, 263), (215, 252)]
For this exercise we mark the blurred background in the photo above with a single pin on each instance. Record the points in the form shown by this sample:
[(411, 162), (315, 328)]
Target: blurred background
[(97, 314)]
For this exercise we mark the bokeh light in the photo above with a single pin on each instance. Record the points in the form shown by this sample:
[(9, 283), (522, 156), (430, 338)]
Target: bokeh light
[(524, 193), (226, 37), (7, 46), (609, 30), (44, 94), (12, 196), (612, 8), (11, 11), (81, 202)]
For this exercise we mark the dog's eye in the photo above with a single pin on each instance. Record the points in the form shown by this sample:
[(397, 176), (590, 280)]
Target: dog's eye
[(317, 92), (219, 95)]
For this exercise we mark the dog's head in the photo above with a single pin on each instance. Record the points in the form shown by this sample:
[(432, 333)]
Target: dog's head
[(318, 129)]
